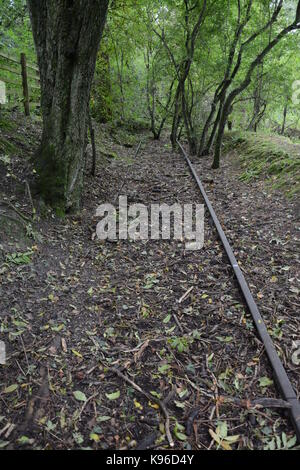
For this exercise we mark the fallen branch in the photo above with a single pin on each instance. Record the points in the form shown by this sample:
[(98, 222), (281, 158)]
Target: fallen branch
[(86, 402), (248, 404), (30, 197), (190, 421), (140, 352), (178, 323), (13, 219), (257, 403), (185, 295), (11, 206)]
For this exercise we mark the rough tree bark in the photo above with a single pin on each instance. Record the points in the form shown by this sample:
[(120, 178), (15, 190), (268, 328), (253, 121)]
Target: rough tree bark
[(67, 35)]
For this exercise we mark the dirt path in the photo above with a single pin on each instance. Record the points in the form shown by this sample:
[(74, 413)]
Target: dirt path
[(83, 308)]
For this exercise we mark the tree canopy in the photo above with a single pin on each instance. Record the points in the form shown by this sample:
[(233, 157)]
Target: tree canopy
[(189, 67)]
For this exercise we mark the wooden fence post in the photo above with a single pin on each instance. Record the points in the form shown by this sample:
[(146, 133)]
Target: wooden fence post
[(25, 84)]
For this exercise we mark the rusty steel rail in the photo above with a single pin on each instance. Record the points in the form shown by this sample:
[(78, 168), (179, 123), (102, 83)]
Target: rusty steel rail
[(280, 374)]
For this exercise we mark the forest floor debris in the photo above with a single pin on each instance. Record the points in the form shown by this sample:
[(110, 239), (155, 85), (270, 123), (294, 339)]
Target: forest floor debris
[(75, 310)]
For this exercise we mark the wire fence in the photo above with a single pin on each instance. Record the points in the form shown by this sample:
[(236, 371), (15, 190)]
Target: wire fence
[(20, 82)]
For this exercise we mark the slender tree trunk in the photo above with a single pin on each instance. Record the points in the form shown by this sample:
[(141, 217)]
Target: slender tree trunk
[(284, 119), (181, 127), (166, 111), (176, 117), (184, 69), (151, 107), (259, 105), (211, 139), (93, 143), (246, 82), (230, 75), (188, 126), (67, 36), (260, 116), (150, 94), (219, 139), (202, 149)]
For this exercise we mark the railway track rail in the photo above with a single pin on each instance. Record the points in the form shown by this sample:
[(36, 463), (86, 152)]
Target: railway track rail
[(280, 375)]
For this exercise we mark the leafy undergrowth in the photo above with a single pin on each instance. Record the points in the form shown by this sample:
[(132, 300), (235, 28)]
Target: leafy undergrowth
[(274, 157)]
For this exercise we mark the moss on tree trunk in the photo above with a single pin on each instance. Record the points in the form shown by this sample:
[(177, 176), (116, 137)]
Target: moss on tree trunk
[(67, 34)]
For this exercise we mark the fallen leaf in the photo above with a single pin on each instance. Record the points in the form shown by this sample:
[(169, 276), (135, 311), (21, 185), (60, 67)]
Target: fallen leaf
[(80, 396), (64, 345), (113, 396), (265, 382), (138, 405), (11, 388)]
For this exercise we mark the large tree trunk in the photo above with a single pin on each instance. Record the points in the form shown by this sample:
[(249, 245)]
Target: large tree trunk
[(67, 34)]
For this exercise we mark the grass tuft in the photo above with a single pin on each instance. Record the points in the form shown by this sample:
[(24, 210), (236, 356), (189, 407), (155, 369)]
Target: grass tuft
[(273, 157)]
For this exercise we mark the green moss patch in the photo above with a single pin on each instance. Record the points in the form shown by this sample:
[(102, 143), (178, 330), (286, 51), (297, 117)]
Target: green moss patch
[(274, 158), (6, 147), (7, 124)]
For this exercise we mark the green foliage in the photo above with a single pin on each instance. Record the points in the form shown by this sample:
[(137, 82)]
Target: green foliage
[(20, 258), (275, 158), (6, 147), (6, 124), (101, 96), (15, 33), (181, 343), (279, 442), (143, 52), (16, 38)]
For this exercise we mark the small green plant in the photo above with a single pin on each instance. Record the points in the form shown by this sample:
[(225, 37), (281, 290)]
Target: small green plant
[(278, 442), (20, 258), (221, 437), (181, 343), (5, 159), (6, 147)]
